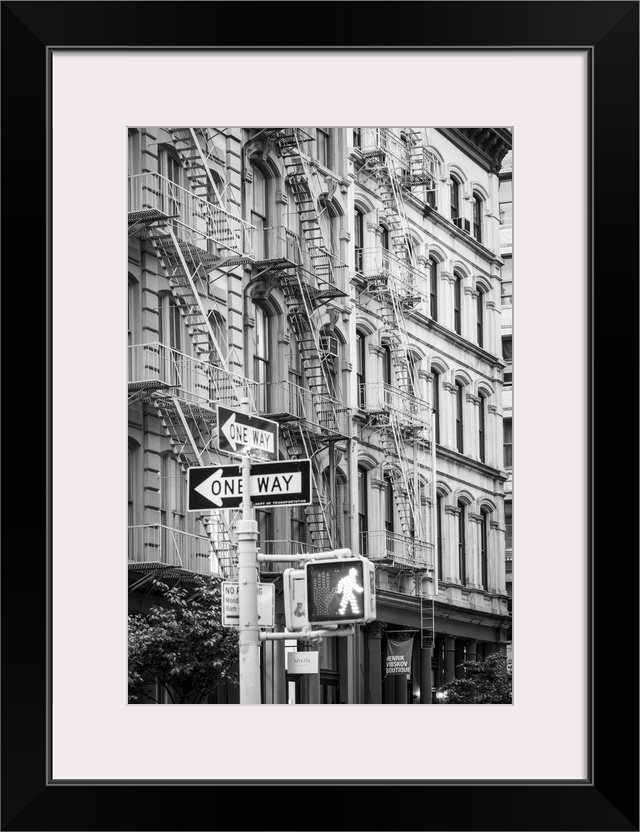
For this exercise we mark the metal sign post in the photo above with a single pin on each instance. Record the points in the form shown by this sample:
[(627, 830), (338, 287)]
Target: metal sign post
[(249, 631)]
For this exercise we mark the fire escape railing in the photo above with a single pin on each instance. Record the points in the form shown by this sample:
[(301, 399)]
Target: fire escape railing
[(156, 543), (155, 366), (399, 549), (218, 227)]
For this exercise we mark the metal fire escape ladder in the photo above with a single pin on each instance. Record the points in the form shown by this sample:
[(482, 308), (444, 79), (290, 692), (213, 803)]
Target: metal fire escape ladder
[(186, 142), (299, 178), (204, 186), (188, 286), (190, 431), (394, 330), (404, 490), (299, 446)]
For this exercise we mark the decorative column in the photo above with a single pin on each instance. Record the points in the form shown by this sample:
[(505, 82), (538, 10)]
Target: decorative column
[(279, 671), (426, 656), (460, 657), (472, 651), (496, 558), (310, 684), (445, 300), (474, 571), (469, 298), (448, 419), (374, 677), (449, 659), (470, 426), (494, 445), (400, 689)]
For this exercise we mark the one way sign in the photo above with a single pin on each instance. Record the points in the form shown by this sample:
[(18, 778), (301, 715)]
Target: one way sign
[(271, 484)]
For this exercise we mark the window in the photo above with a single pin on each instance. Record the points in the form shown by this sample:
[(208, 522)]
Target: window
[(388, 504), (507, 354), (480, 318), (172, 493), (169, 322), (506, 287), (459, 412), (478, 204), (462, 542), (259, 212), (481, 429), (363, 527), (323, 146), (508, 525), (457, 304), (455, 197), (508, 443), (384, 238), (358, 233), (133, 481), (357, 137), (261, 373), (484, 549), (433, 288), (436, 403), (133, 318), (360, 368), (439, 533), (298, 530)]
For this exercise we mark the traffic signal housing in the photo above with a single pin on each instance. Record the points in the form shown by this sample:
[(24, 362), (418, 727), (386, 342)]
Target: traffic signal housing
[(330, 592)]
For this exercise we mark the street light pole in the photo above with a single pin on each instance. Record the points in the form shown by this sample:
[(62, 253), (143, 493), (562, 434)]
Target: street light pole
[(249, 632)]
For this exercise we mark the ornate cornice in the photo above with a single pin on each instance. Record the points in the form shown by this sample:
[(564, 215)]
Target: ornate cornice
[(486, 145)]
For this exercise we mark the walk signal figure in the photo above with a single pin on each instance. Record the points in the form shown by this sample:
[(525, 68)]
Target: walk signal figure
[(346, 587)]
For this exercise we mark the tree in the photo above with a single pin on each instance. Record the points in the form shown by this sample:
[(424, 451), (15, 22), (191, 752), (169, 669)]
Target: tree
[(484, 683), (182, 644)]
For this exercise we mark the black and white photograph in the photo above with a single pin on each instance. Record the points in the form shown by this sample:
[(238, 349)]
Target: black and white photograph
[(320, 373)]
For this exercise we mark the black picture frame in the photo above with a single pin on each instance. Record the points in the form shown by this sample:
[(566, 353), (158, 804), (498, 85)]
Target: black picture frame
[(608, 799)]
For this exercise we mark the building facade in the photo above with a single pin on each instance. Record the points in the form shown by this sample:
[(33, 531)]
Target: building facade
[(348, 283)]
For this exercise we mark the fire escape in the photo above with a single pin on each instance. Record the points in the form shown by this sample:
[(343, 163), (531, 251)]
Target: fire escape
[(398, 164), (312, 420), (192, 234)]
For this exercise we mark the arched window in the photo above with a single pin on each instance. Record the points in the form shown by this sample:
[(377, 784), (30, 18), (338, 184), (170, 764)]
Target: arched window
[(459, 416), (480, 317), (133, 321), (433, 288), (455, 197), (170, 322), (457, 303), (172, 493), (358, 236), (439, 536), (363, 526), (261, 357), (478, 203), (361, 368), (481, 427), (133, 481), (462, 542), (259, 212), (298, 530), (436, 403), (484, 548), (388, 506)]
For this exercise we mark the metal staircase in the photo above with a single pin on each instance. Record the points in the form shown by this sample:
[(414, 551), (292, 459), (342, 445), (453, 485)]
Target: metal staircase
[(306, 195)]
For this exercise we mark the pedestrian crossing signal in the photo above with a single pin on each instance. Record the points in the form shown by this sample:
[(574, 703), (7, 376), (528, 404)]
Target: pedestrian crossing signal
[(340, 591)]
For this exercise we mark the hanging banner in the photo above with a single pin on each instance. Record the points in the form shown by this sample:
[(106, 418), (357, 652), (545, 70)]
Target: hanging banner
[(399, 656)]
